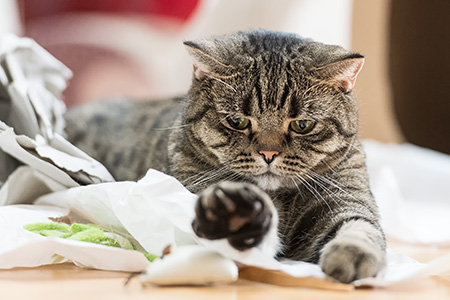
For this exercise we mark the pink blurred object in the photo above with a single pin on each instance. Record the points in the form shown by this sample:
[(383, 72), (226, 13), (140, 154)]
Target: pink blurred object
[(176, 9), (107, 43)]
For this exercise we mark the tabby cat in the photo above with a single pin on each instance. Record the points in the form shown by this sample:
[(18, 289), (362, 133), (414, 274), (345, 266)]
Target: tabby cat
[(267, 137)]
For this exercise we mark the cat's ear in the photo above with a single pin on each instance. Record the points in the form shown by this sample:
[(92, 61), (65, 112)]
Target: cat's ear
[(343, 73), (204, 63)]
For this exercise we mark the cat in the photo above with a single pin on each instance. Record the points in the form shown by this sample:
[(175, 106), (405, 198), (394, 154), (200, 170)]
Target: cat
[(267, 137)]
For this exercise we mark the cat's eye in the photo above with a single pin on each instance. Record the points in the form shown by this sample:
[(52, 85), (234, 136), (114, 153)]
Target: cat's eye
[(302, 126), (239, 123)]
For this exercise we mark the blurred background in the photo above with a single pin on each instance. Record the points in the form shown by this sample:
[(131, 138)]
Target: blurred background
[(134, 48)]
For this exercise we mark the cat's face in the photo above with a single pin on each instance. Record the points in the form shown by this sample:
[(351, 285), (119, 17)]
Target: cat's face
[(275, 109)]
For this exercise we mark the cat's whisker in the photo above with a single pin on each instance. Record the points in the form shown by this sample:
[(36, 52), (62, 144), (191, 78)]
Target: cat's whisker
[(352, 145), (219, 80), (344, 155), (214, 174), (306, 185), (314, 191), (330, 168), (205, 178), (333, 183), (234, 176), (330, 193), (310, 100), (202, 175), (208, 175), (296, 185), (214, 177), (312, 87)]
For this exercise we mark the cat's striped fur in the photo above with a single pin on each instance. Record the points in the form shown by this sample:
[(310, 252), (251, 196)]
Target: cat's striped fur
[(317, 180)]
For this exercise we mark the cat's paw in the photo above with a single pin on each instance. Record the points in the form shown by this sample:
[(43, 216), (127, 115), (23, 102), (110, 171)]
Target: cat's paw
[(239, 212), (348, 259)]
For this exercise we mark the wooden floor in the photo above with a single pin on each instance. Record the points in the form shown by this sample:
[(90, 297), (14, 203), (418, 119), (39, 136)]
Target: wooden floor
[(69, 282)]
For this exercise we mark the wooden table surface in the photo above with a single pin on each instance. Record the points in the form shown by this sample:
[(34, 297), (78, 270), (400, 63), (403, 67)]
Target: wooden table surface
[(69, 282)]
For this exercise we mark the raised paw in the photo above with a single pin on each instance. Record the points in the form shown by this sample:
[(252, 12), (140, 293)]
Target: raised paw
[(350, 259), (238, 212)]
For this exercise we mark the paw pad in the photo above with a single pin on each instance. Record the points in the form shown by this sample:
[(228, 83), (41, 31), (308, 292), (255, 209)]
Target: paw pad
[(235, 211)]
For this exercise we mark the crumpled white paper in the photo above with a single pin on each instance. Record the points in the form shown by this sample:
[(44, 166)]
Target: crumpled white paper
[(34, 80), (31, 114), (157, 210)]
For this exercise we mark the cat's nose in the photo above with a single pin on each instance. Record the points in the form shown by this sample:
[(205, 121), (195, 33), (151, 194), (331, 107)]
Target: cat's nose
[(269, 156)]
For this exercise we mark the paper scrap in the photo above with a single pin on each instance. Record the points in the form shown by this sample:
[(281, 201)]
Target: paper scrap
[(191, 265)]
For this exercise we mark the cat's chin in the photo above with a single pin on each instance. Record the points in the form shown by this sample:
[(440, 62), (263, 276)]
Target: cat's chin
[(268, 182)]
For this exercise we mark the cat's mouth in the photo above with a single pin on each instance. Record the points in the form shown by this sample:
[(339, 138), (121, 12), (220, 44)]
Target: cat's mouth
[(268, 181)]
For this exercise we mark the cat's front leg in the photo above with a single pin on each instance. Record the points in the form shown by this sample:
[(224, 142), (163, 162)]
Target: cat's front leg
[(357, 251), (240, 212)]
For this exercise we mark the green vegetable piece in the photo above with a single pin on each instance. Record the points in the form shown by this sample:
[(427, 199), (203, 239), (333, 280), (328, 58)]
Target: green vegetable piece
[(94, 236), (151, 257), (91, 233), (76, 227), (55, 233), (63, 227)]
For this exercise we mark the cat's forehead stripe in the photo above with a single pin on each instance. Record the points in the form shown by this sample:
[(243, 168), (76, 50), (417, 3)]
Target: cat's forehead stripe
[(273, 92), (284, 96)]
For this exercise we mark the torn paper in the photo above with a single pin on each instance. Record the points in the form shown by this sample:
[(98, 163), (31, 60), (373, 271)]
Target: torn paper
[(60, 166), (32, 123), (33, 81)]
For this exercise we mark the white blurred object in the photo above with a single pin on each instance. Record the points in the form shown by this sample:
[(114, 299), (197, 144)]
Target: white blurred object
[(412, 188), (9, 17), (327, 21)]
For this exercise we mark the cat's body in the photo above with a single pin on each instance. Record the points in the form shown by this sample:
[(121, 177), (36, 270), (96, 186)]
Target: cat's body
[(267, 114)]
